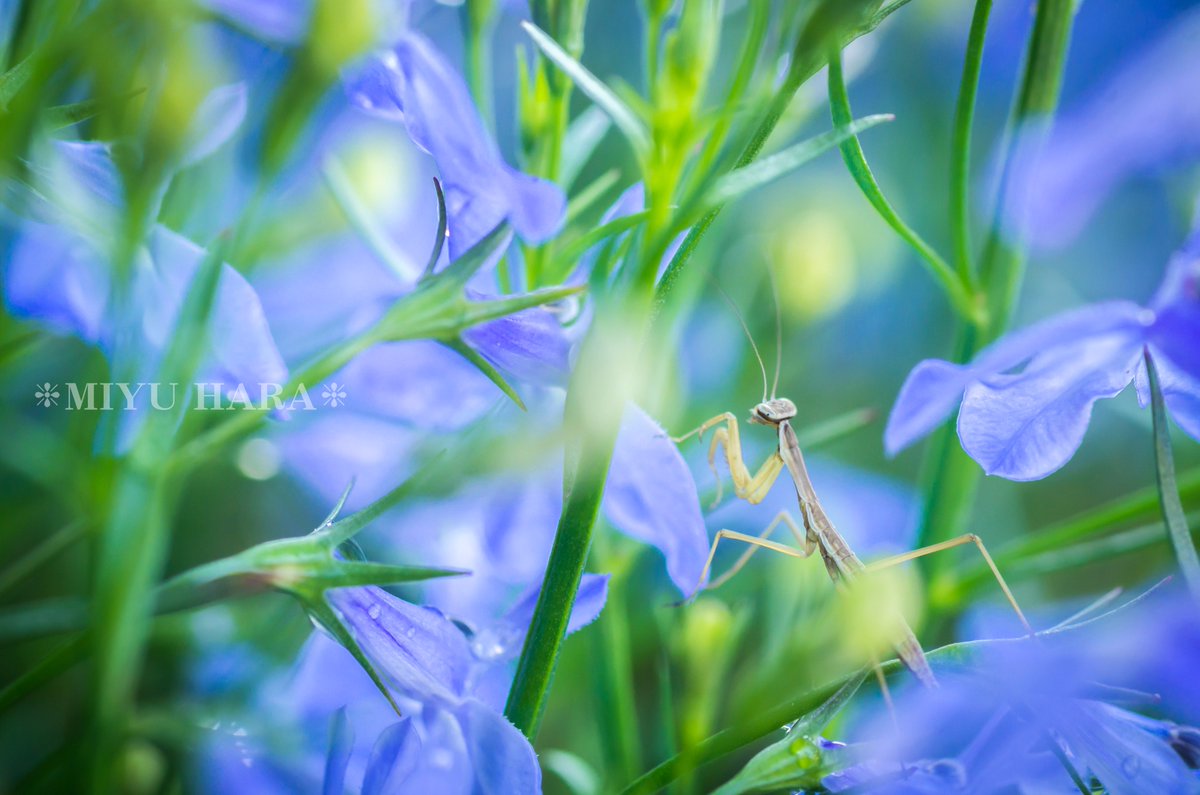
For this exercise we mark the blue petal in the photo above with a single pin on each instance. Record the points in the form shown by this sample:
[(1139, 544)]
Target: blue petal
[(651, 496), (417, 648), (1181, 392), (341, 744), (1122, 755), (56, 278), (395, 756), (928, 396), (327, 449), (532, 345), (418, 382), (282, 21), (933, 387), (1023, 427), (242, 348), (1176, 329), (414, 82), (503, 759), (215, 121)]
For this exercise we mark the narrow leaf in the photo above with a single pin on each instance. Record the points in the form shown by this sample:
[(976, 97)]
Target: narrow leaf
[(583, 136), (604, 97), (14, 80), (1168, 489), (748, 178), (487, 368)]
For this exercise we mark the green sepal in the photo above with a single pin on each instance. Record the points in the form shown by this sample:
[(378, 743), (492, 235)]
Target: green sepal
[(487, 368), (797, 761)]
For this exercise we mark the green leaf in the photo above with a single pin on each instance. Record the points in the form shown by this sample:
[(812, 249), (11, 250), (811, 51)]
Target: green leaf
[(748, 178), (571, 252), (14, 80), (604, 97), (583, 136), (1168, 488), (1057, 546)]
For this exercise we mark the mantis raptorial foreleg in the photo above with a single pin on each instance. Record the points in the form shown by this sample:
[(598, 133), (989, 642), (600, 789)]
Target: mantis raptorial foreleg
[(751, 488), (968, 538)]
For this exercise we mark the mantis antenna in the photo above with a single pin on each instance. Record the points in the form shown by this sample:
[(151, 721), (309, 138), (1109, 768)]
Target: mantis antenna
[(746, 329), (778, 331)]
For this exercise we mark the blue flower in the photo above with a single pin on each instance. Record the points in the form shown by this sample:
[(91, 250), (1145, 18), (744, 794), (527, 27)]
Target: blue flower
[(451, 686), (1026, 425), (993, 724), (1145, 117), (413, 82), (59, 275)]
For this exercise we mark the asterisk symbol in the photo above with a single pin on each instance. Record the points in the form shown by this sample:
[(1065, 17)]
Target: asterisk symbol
[(46, 395), (334, 394)]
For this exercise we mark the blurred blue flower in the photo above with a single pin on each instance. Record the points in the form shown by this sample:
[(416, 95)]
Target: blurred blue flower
[(994, 724), (1025, 426), (1147, 116), (412, 82), (287, 21), (59, 274)]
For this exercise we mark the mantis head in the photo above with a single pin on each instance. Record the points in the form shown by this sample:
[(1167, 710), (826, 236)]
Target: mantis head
[(773, 411)]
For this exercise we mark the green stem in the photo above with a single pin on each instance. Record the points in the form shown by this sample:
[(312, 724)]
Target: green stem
[(856, 162), (1002, 267), (757, 141), (24, 566), (479, 21), (952, 478), (1168, 488), (572, 541), (840, 21), (614, 675), (960, 147)]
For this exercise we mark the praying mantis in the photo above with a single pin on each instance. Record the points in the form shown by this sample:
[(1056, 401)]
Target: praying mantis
[(818, 534)]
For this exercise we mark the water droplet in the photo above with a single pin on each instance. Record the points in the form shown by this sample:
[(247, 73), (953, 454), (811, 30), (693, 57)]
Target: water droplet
[(411, 633), (488, 645), (1146, 317), (374, 611), (1131, 766)]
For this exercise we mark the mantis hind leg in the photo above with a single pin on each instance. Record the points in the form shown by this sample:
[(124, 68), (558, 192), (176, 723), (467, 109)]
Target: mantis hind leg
[(968, 538), (761, 541)]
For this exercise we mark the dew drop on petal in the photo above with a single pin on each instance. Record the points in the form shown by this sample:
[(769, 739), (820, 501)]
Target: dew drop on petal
[(374, 611), (1131, 766)]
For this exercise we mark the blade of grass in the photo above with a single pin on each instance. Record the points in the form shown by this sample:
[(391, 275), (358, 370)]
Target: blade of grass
[(1168, 487)]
